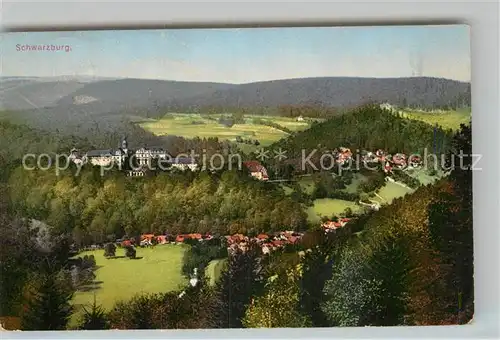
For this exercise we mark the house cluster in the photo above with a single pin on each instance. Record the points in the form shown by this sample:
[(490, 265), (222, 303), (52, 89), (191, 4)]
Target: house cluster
[(397, 161), (267, 243), (147, 240), (331, 226), (141, 158)]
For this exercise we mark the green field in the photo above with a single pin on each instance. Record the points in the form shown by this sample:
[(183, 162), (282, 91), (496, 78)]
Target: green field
[(288, 190), (356, 182), (447, 119), (156, 270), (307, 184), (214, 270), (423, 175), (390, 191), (329, 207), (203, 126)]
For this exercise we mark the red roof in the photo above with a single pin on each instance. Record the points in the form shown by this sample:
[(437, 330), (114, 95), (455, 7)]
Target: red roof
[(179, 238), (277, 243), (255, 166), (126, 243), (262, 236), (292, 239), (332, 225), (147, 236)]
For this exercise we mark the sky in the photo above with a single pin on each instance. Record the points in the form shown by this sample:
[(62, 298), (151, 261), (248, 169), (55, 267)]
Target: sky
[(244, 55)]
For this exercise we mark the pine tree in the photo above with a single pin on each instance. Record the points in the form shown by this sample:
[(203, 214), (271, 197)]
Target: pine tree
[(48, 306), (450, 223), (239, 283), (94, 318)]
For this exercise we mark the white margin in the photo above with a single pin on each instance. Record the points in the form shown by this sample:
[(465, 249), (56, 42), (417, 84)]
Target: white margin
[(483, 18)]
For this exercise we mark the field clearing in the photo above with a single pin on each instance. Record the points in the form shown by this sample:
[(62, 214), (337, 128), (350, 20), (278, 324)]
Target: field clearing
[(288, 190), (329, 207), (357, 180), (214, 270), (447, 119), (390, 191), (289, 123), (205, 126), (156, 270), (307, 184), (423, 176)]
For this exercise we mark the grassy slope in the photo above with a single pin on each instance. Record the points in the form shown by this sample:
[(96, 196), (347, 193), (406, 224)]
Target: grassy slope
[(214, 270), (329, 207), (446, 119), (159, 270), (390, 191)]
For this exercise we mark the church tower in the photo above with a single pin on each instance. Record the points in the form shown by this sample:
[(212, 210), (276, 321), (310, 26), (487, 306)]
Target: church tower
[(124, 145)]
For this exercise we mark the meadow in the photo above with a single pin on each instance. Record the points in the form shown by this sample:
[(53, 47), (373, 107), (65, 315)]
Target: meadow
[(155, 270), (330, 206), (206, 126), (390, 191), (214, 270), (449, 119), (357, 180)]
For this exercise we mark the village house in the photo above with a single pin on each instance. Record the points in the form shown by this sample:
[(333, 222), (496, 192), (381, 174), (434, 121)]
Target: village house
[(103, 157), (183, 163), (399, 160), (300, 119), (380, 155), (330, 226), (262, 237), (100, 157), (414, 161), (256, 170), (344, 155), (76, 157), (369, 157), (387, 168)]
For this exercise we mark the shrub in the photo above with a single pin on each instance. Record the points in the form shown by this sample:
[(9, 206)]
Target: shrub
[(110, 250), (130, 252)]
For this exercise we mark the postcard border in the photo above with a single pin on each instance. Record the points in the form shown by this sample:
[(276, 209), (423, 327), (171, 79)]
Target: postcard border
[(483, 18)]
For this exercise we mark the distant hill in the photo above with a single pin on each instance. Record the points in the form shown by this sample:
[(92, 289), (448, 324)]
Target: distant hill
[(73, 104), (338, 92), (146, 94), (26, 93)]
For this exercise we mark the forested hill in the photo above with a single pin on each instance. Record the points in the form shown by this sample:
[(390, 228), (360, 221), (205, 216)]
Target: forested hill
[(93, 207), (413, 259), (16, 140), (369, 127), (337, 92), (77, 101)]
